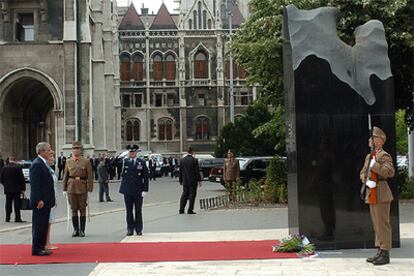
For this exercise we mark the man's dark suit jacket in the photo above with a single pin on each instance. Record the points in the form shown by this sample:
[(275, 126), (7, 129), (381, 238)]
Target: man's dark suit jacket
[(41, 184), (12, 178), (189, 171)]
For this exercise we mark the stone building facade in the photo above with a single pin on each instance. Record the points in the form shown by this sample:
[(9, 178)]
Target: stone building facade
[(59, 77), (174, 71)]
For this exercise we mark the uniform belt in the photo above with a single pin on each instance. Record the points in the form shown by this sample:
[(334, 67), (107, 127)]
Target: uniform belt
[(77, 177)]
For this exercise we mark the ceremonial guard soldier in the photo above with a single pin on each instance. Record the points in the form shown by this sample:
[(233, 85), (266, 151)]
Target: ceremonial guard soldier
[(77, 182), (134, 186), (378, 167)]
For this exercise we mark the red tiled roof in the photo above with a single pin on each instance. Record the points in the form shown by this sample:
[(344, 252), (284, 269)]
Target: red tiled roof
[(131, 20), (163, 20)]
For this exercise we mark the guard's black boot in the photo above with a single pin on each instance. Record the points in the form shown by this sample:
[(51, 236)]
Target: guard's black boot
[(75, 222), (371, 259), (383, 258), (82, 226)]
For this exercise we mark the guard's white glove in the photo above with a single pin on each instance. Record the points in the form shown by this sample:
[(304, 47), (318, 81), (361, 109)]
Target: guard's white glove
[(65, 194), (143, 194), (371, 184), (372, 162)]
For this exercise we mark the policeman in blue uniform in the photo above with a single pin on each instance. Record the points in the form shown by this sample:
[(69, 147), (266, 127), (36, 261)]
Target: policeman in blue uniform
[(134, 186)]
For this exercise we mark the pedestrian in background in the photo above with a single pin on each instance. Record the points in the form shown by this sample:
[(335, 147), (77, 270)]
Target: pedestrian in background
[(379, 195), (61, 165), (52, 216), (103, 179), (152, 164), (134, 187), (12, 178), (190, 179), (231, 174), (42, 198)]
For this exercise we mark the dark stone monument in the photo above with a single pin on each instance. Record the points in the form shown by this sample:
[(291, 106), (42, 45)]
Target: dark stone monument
[(330, 87)]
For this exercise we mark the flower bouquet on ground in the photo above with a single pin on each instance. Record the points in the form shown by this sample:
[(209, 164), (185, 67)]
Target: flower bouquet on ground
[(295, 243)]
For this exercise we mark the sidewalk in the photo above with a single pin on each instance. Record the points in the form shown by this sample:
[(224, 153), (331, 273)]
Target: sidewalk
[(346, 262)]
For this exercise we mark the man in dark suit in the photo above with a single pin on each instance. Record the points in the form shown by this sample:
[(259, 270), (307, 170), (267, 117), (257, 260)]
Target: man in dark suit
[(152, 164), (189, 178), (12, 178), (42, 198), (134, 186), (61, 164)]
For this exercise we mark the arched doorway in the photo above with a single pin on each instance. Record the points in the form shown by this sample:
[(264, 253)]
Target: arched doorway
[(28, 113)]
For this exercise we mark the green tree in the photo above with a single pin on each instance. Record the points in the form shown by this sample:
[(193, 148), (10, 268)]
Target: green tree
[(240, 138), (257, 45), (401, 131)]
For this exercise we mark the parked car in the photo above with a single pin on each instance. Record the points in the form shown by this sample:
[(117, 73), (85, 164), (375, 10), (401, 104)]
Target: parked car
[(25, 164), (159, 159), (206, 165), (251, 168)]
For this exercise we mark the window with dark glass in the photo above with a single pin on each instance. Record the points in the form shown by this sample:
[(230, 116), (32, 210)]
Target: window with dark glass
[(204, 19), (195, 20), (138, 67), (200, 66), (244, 98), (25, 27), (136, 127), (158, 99), (170, 67), (199, 15), (170, 99), (165, 129), (209, 24), (125, 67), (138, 100), (202, 128), (201, 99), (157, 67), (126, 100), (190, 24), (129, 131)]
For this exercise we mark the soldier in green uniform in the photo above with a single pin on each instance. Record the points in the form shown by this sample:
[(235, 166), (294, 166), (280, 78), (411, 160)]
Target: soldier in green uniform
[(77, 182)]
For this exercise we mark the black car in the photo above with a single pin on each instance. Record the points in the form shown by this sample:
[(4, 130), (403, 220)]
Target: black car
[(251, 168)]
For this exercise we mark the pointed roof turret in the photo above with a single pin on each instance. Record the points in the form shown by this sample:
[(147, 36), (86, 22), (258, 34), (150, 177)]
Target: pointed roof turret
[(131, 20), (238, 18), (163, 20)]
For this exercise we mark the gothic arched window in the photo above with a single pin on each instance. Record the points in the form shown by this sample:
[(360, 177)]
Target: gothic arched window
[(200, 65), (132, 130), (157, 72), (165, 129), (138, 67), (170, 67), (125, 67), (202, 128)]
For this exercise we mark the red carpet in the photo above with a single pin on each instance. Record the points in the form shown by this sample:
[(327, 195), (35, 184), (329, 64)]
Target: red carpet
[(143, 252)]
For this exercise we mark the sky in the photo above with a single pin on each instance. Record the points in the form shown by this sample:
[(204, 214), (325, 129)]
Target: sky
[(152, 5)]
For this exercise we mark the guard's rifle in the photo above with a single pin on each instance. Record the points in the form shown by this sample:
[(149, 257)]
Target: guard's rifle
[(368, 169)]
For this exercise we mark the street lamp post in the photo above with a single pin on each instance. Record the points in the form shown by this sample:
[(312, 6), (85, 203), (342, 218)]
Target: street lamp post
[(229, 8)]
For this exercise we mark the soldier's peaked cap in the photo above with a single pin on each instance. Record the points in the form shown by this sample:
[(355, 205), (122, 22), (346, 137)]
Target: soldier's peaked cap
[(132, 148), (377, 132), (76, 145)]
